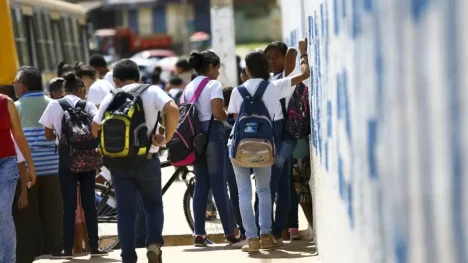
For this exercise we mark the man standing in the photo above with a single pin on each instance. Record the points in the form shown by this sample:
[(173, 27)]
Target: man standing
[(40, 225), (146, 181)]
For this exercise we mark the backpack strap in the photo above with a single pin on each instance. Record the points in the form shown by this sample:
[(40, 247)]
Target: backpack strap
[(64, 104), (140, 89), (245, 93), (197, 93), (261, 89), (81, 104)]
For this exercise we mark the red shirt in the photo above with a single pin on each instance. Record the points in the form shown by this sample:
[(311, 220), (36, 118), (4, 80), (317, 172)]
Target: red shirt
[(8, 147)]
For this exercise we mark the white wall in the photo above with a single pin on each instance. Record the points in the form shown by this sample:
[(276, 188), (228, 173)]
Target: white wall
[(390, 127)]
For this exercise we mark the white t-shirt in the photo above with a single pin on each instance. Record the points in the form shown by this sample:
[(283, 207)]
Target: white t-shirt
[(19, 156), (276, 90), (280, 76), (53, 114), (98, 90), (213, 90), (154, 99), (110, 77)]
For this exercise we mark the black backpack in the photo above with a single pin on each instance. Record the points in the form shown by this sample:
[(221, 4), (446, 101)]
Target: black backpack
[(78, 149), (297, 115), (124, 140)]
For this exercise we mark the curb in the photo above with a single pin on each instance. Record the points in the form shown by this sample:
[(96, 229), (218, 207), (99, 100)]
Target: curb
[(187, 239)]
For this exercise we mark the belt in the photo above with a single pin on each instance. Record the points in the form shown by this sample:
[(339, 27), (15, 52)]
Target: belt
[(152, 156)]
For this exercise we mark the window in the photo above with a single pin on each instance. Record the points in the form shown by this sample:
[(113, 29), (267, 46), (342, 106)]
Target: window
[(76, 39), (51, 53), (58, 43), (31, 40), (41, 41), (67, 40), (20, 37), (84, 41)]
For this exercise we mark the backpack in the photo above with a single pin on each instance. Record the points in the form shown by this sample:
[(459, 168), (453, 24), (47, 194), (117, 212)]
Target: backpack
[(253, 143), (124, 140), (297, 115), (177, 97), (189, 142), (78, 149)]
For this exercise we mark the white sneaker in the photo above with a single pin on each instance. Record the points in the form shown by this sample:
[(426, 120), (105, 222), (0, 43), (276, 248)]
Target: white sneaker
[(240, 244)]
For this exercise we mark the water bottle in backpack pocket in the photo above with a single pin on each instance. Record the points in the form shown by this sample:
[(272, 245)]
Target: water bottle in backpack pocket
[(78, 149), (124, 139), (253, 143), (189, 141)]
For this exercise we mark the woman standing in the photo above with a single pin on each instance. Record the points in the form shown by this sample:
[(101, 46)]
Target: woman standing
[(209, 170), (10, 124)]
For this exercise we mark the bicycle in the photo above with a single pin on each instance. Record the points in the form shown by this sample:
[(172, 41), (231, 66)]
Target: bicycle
[(107, 213)]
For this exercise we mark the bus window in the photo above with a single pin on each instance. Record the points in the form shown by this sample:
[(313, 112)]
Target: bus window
[(20, 37), (41, 44), (30, 39), (67, 40), (84, 41), (76, 39), (49, 41), (58, 41)]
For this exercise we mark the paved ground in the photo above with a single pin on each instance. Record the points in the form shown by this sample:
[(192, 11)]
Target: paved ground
[(301, 252)]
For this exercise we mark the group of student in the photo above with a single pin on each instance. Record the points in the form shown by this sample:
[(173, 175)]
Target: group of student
[(83, 117)]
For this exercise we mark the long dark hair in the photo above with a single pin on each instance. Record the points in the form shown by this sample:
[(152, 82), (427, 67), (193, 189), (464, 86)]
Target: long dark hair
[(201, 61)]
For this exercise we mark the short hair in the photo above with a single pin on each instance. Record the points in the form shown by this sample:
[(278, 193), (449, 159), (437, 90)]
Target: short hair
[(125, 70), (258, 65), (56, 83), (176, 80), (31, 78), (63, 68), (227, 91), (97, 61), (279, 45), (84, 71), (72, 82)]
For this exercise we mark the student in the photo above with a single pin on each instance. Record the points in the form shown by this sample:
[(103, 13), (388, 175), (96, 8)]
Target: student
[(147, 180), (64, 68), (257, 69), (175, 88), (243, 76), (75, 92), (10, 125), (98, 62), (56, 88), (156, 78), (282, 62), (209, 170), (96, 88)]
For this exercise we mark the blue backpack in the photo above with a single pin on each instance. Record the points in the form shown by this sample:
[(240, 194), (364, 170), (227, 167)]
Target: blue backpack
[(253, 143)]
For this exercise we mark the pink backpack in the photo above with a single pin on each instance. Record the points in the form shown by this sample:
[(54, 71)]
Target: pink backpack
[(188, 143)]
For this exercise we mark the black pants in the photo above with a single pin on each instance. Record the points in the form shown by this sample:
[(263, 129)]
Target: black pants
[(39, 226), (68, 183)]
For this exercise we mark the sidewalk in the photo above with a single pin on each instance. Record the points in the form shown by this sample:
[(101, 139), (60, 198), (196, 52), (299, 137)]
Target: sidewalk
[(300, 251)]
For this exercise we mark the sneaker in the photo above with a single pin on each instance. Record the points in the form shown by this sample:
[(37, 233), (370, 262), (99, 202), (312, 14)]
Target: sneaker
[(253, 245), (62, 255), (240, 244), (232, 239), (279, 242), (294, 234), (98, 253), (154, 254), (200, 241), (269, 242)]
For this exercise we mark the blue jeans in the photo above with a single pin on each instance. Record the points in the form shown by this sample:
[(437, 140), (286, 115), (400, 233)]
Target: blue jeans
[(140, 225), (244, 185), (8, 181), (209, 173), (233, 193), (127, 184)]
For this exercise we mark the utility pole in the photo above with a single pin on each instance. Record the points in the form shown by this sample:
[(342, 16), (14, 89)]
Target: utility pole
[(186, 37), (224, 40)]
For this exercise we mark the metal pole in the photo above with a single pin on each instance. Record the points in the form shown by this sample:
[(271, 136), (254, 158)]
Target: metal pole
[(223, 40), (186, 40)]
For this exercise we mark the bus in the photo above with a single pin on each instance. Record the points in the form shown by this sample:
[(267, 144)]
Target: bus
[(40, 33)]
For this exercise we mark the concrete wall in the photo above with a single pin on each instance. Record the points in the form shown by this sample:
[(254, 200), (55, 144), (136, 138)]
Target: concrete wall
[(390, 127)]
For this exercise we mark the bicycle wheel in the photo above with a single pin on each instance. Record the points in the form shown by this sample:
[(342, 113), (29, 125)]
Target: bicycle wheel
[(212, 221), (107, 216)]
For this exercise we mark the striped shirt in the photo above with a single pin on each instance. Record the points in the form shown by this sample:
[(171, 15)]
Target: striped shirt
[(31, 106)]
